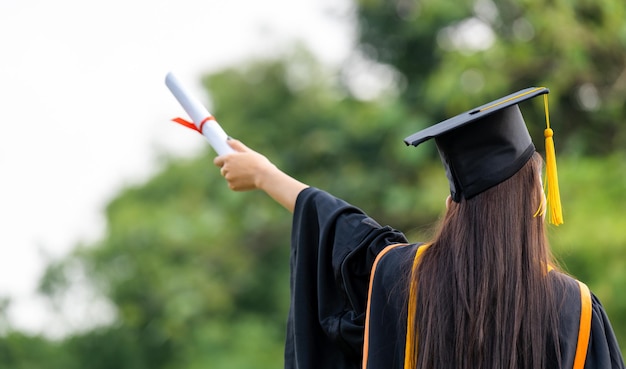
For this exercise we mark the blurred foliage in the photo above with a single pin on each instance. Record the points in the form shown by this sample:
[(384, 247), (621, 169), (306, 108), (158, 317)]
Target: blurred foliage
[(458, 55), (591, 243), (198, 275)]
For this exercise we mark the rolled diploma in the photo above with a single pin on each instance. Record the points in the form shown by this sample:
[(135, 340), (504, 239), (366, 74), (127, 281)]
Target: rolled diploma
[(211, 130)]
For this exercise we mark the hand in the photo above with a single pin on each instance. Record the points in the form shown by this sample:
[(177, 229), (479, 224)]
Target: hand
[(245, 168)]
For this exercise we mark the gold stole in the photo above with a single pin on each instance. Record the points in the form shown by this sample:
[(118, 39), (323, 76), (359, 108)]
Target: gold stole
[(410, 361)]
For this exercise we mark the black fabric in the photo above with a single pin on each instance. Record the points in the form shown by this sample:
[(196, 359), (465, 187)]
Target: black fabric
[(474, 115), (334, 245), (479, 156), (388, 312), (387, 340), (484, 146), (333, 248)]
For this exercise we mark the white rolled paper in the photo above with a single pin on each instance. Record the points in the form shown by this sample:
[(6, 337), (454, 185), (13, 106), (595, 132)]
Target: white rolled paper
[(198, 114)]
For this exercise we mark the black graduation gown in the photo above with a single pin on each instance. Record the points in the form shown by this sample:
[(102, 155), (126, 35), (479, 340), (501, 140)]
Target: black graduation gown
[(334, 245), (387, 324)]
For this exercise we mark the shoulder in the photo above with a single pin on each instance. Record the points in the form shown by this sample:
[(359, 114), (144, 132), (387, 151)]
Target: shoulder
[(394, 255), (563, 285), (394, 261), (570, 292), (567, 296), (582, 316)]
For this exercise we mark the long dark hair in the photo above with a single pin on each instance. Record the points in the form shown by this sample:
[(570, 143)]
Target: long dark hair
[(482, 297)]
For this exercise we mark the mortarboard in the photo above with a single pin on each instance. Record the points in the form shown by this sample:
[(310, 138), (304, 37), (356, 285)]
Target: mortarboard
[(487, 145)]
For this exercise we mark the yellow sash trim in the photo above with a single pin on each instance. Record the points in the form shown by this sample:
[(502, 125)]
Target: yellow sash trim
[(410, 361), (584, 329), (369, 300)]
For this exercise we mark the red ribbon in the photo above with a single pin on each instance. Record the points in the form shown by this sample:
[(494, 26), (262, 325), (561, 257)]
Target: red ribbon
[(190, 125)]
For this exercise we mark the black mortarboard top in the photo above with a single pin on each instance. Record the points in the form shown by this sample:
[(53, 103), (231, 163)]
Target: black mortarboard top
[(484, 146)]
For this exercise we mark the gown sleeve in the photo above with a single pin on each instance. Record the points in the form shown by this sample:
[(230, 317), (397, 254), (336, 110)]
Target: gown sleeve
[(333, 247)]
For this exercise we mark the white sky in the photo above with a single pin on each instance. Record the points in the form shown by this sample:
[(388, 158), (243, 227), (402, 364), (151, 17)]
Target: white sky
[(83, 107)]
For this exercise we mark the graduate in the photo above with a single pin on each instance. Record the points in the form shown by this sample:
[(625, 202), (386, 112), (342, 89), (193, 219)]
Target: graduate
[(485, 292)]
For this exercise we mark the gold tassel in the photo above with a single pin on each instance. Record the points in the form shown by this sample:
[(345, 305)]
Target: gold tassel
[(552, 180)]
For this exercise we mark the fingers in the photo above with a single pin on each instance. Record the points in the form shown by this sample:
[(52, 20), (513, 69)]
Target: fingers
[(219, 161), (233, 169), (238, 145), (236, 181), (224, 173), (241, 169)]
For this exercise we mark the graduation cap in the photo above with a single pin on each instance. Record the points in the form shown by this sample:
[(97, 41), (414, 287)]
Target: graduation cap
[(487, 145)]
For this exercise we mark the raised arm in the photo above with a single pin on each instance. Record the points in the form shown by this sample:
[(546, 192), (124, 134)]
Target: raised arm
[(246, 169)]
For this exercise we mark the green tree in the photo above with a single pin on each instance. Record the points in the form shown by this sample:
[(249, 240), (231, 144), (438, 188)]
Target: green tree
[(23, 351), (451, 57), (454, 56), (198, 275)]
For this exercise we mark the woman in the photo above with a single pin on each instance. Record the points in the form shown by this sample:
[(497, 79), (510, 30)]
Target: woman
[(484, 293)]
